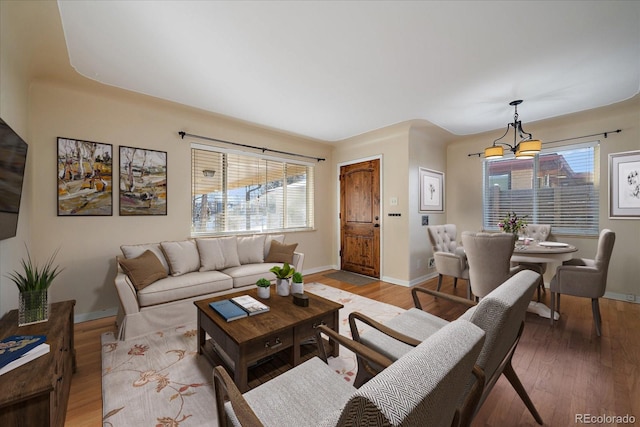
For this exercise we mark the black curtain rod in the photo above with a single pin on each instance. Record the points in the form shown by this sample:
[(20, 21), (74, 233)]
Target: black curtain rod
[(606, 135), (263, 149)]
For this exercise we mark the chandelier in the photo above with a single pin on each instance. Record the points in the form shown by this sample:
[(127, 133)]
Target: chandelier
[(527, 148)]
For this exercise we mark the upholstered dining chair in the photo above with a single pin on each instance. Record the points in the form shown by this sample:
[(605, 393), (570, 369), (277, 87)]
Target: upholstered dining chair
[(582, 277), (500, 314), (539, 233), (423, 388), (450, 258), (489, 258)]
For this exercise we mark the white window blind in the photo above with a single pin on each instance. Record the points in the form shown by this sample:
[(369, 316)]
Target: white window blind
[(236, 192), (560, 186)]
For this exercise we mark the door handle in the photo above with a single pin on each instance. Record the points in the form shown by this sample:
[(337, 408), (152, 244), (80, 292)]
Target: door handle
[(376, 225)]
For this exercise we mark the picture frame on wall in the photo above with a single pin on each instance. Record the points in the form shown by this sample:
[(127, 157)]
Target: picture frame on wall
[(143, 181), (624, 185), (85, 178), (431, 190)]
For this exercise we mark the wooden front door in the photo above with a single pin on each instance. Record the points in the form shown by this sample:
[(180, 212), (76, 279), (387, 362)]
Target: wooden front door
[(360, 218)]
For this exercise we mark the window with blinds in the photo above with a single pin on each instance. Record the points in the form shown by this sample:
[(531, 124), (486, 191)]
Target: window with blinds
[(235, 192), (560, 186)]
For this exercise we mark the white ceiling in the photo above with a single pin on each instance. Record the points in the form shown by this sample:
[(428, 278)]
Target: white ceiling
[(331, 70)]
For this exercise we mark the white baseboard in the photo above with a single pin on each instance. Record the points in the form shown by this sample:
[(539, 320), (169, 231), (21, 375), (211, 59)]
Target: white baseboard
[(622, 297), (84, 317)]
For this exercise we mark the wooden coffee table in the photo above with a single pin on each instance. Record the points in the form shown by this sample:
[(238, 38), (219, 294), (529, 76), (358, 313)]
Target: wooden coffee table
[(246, 341)]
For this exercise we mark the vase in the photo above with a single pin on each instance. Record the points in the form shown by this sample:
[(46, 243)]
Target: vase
[(283, 287), (297, 288), (33, 307), (264, 292)]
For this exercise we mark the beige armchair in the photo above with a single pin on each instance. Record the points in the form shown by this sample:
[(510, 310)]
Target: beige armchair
[(583, 277), (500, 314), (489, 258), (423, 388), (450, 259)]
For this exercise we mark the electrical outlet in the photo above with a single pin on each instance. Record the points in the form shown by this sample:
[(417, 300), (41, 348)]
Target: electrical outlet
[(631, 297), (432, 262)]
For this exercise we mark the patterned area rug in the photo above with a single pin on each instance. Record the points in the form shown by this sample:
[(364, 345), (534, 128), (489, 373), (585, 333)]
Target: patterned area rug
[(159, 380)]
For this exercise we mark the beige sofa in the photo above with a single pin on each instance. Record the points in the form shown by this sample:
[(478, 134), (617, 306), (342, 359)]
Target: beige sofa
[(157, 283)]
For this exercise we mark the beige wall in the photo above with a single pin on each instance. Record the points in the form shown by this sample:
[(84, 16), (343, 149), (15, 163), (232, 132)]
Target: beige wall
[(88, 245), (464, 182), (403, 148)]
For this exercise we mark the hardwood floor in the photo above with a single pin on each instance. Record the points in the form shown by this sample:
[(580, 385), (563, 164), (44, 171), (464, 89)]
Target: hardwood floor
[(567, 370)]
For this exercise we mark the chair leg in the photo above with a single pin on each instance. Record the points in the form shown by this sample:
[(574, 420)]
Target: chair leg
[(595, 307), (519, 388), (468, 289), (455, 282), (439, 282), (553, 307)]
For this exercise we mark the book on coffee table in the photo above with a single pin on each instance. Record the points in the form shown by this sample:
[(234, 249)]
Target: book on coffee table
[(228, 310), (17, 350), (251, 305)]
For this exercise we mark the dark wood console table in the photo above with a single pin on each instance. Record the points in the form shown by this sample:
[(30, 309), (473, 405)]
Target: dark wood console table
[(36, 393)]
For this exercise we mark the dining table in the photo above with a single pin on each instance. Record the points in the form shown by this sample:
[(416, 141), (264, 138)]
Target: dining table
[(531, 251)]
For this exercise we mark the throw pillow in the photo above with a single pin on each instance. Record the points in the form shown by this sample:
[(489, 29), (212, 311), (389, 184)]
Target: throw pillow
[(279, 252), (132, 251), (251, 249), (218, 253), (268, 239), (143, 270), (182, 256)]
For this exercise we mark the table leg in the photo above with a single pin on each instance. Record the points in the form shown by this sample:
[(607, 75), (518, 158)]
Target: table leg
[(201, 334)]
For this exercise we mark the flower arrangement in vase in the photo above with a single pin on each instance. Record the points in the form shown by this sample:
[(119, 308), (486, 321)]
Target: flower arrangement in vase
[(512, 223), (297, 283)]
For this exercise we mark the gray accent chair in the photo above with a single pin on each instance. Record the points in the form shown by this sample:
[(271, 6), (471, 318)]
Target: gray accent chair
[(500, 314), (489, 258), (539, 233), (582, 277), (422, 388), (450, 258)]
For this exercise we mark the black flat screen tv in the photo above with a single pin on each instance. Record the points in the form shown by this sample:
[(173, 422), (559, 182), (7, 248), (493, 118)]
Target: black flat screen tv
[(13, 158)]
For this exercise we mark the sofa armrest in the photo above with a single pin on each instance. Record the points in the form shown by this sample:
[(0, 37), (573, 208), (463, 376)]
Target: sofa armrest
[(298, 261), (126, 293)]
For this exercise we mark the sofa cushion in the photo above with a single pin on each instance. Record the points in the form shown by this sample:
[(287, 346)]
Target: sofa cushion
[(279, 252), (268, 239), (248, 274), (251, 249), (182, 256), (218, 253), (143, 270), (185, 286), (132, 251)]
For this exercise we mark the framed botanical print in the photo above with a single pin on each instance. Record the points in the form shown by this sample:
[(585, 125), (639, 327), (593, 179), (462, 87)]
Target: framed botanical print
[(143, 181), (85, 178), (431, 190), (624, 185)]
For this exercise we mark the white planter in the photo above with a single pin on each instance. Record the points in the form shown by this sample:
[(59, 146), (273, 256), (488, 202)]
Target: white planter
[(283, 287), (297, 288), (264, 292)]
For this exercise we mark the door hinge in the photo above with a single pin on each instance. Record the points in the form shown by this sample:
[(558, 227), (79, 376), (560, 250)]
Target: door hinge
[(340, 252)]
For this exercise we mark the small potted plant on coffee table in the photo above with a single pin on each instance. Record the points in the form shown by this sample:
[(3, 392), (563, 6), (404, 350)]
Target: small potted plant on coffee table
[(264, 288), (297, 283), (283, 276)]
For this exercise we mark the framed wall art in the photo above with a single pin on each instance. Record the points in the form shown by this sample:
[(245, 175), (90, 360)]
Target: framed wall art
[(624, 185), (431, 190), (85, 178), (143, 181)]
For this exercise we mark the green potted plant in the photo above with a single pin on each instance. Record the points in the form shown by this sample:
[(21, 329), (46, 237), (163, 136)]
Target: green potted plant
[(283, 275), (297, 283), (264, 288), (33, 284)]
